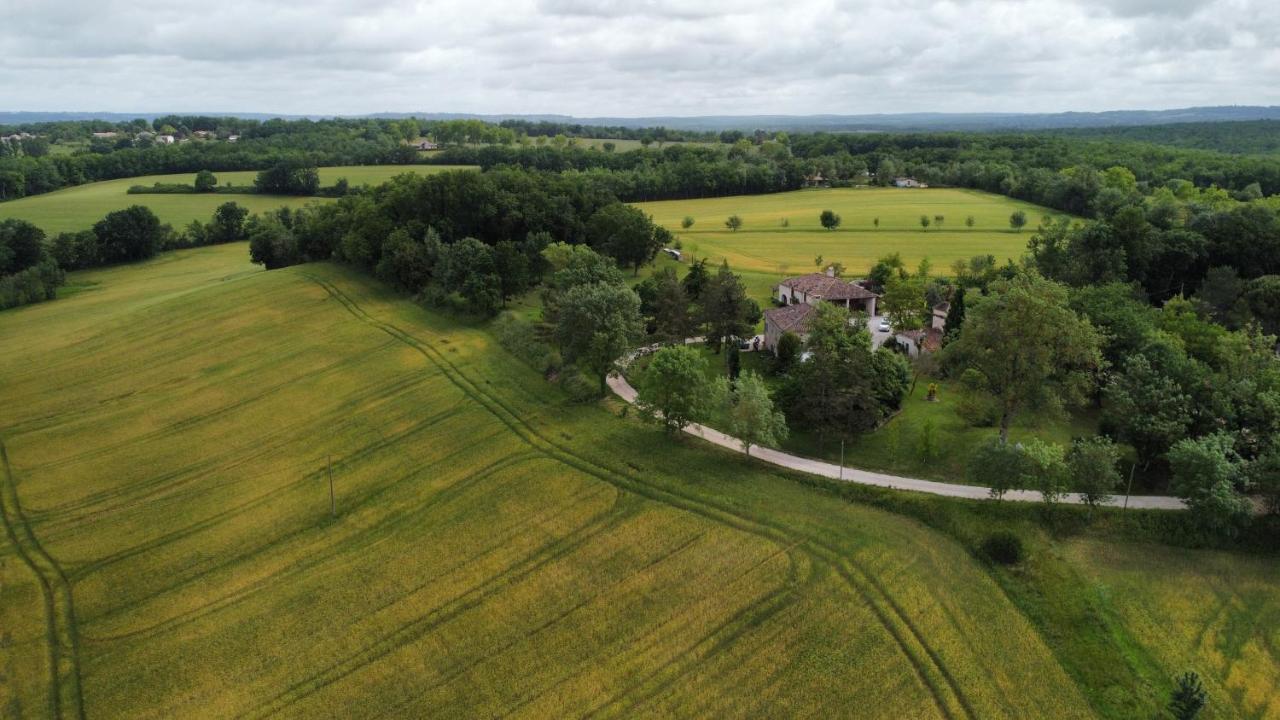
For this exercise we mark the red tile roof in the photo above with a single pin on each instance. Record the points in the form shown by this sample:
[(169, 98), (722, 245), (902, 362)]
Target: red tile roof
[(824, 287), (792, 318)]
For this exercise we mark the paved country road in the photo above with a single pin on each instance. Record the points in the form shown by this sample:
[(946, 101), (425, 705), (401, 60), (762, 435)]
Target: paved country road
[(623, 389)]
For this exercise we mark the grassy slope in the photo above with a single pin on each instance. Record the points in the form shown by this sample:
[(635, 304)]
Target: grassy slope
[(496, 550), (1207, 611), (763, 246), (79, 207)]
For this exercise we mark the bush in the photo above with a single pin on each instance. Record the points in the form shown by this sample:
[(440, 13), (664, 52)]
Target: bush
[(32, 285), (977, 409), (1004, 547), (579, 387)]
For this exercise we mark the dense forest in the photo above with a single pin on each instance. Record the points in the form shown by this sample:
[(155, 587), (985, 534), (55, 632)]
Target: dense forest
[(1249, 137)]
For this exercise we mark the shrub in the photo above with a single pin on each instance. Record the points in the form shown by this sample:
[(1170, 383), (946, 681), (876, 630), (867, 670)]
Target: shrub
[(1004, 547), (977, 409), (32, 285), (579, 387)]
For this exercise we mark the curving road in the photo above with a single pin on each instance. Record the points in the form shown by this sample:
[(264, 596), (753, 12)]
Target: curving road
[(623, 389)]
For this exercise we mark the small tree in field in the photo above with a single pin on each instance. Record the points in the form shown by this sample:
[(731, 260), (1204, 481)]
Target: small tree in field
[(687, 222), (1189, 697), (733, 223), (969, 221), (939, 219), (673, 388), (205, 181), (829, 220), (924, 222), (1017, 220), (875, 222)]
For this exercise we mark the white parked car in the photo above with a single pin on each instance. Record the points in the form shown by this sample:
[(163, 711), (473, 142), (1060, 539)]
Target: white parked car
[(884, 324)]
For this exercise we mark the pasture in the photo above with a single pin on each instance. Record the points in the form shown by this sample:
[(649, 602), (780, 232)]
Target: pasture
[(168, 435), (765, 247), (78, 208)]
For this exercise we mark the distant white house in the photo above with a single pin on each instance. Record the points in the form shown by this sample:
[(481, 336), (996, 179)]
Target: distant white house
[(233, 138), (165, 139), (906, 182), (105, 135), (426, 145)]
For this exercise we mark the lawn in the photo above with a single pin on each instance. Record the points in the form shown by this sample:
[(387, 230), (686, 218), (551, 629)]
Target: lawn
[(932, 440), (496, 551), (927, 439), (78, 208), (765, 246)]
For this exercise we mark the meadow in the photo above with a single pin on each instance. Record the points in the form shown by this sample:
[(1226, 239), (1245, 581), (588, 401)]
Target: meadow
[(764, 249), (168, 435), (78, 208)]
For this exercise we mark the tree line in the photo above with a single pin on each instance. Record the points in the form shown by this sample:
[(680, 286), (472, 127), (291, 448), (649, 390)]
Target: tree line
[(33, 266)]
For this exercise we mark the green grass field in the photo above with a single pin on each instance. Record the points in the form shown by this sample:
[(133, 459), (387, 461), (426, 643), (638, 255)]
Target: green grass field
[(764, 248), (167, 434), (78, 208), (496, 550)]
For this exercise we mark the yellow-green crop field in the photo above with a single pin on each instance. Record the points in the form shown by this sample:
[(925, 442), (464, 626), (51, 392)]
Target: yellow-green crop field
[(167, 439), (79, 207), (766, 247), (1201, 610)]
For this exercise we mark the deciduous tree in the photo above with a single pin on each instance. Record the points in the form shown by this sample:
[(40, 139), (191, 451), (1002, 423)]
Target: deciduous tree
[(673, 389), (1026, 347)]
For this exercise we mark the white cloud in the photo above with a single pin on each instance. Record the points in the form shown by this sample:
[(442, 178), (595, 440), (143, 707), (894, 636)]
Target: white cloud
[(637, 57)]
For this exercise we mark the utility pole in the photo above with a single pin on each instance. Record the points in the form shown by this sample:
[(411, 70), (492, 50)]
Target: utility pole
[(333, 506), (842, 458)]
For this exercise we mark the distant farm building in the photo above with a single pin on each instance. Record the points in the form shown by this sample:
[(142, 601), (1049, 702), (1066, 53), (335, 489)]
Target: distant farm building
[(165, 139), (105, 135), (426, 145), (906, 182)]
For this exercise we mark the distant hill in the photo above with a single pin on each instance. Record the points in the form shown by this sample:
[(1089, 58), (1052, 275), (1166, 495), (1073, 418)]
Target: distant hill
[(805, 123), (1246, 137)]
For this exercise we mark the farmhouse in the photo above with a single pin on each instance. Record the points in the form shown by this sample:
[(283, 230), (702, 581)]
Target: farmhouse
[(826, 286), (165, 139), (906, 182), (790, 319), (426, 145)]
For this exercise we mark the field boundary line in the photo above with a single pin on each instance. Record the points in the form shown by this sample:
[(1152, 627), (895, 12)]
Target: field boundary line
[(65, 699)]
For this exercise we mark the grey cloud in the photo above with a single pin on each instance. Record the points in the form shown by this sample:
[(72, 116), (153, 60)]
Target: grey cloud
[(639, 57)]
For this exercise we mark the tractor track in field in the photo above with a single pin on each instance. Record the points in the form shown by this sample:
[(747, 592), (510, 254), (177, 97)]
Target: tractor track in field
[(944, 689), (65, 699)]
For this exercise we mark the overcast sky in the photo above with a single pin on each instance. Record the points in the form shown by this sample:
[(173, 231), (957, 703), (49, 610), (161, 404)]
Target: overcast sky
[(637, 57)]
